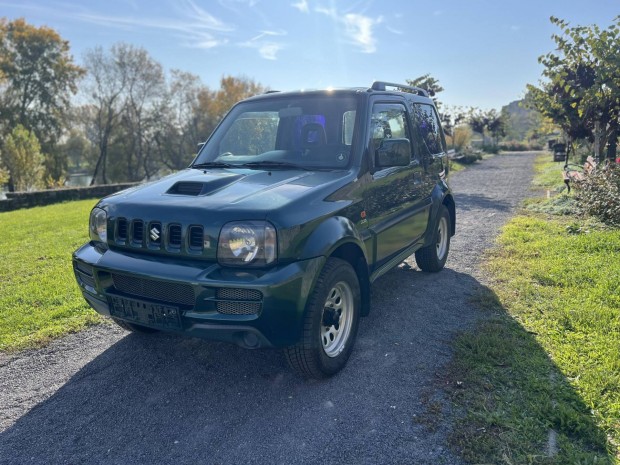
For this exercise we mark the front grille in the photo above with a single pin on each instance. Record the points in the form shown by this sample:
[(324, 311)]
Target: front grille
[(238, 301), (138, 231), (175, 235), (155, 233), (121, 229), (174, 293), (196, 235)]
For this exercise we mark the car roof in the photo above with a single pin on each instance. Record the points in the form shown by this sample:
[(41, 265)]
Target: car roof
[(378, 88)]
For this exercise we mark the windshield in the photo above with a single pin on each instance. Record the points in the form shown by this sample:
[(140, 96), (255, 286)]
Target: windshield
[(309, 132)]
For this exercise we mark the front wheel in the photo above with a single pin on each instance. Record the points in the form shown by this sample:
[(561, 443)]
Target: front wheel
[(330, 324), (433, 257)]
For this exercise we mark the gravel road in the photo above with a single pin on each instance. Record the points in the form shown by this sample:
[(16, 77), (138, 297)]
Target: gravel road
[(106, 396)]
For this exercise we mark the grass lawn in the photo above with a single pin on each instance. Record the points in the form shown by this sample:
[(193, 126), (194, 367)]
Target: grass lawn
[(39, 298), (539, 380)]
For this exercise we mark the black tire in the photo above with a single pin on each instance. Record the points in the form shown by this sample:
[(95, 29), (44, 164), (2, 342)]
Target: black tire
[(330, 324), (134, 328), (433, 257)]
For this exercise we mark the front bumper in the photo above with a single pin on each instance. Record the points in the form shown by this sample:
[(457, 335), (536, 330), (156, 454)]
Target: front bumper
[(251, 308)]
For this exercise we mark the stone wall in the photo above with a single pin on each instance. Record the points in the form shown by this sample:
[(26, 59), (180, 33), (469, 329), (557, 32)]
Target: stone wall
[(17, 200)]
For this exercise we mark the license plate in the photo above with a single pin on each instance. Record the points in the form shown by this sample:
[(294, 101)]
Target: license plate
[(145, 313)]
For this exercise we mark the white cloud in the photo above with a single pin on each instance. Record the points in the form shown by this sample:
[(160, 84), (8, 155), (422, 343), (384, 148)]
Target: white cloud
[(267, 48), (394, 31), (195, 26), (358, 28), (302, 6), (279, 32), (331, 12), (234, 5), (202, 17)]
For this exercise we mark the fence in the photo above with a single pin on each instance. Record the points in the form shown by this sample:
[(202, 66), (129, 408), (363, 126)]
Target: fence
[(17, 200)]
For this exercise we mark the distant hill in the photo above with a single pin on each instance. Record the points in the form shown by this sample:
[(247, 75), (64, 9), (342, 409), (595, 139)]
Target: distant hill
[(519, 120)]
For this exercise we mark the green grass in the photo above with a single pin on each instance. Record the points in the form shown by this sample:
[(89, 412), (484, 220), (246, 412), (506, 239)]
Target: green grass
[(548, 174), (39, 298), (546, 360)]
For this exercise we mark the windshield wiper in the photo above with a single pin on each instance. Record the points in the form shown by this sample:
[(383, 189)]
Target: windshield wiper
[(212, 164), (273, 164)]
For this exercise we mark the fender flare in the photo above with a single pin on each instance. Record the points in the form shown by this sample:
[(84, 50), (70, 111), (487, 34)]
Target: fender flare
[(340, 231)]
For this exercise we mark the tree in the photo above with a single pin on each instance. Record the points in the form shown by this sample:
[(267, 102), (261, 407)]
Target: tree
[(37, 79), (178, 135), (144, 99), (582, 91), (213, 106), (104, 87), (487, 122), (21, 155), (430, 84), (125, 88), (496, 124), (478, 121)]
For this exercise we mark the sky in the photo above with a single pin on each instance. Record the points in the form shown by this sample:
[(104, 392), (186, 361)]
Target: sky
[(483, 52)]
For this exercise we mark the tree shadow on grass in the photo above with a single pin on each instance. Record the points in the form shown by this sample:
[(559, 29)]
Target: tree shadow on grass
[(516, 405)]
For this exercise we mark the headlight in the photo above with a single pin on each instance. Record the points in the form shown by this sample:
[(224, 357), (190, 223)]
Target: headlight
[(98, 225), (247, 243)]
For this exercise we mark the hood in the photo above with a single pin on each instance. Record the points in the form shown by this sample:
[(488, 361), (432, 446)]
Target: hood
[(242, 193)]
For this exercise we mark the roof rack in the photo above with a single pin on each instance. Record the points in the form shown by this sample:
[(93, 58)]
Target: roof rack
[(381, 85)]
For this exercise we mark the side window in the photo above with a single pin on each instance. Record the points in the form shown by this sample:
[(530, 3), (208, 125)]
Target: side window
[(428, 129), (387, 121)]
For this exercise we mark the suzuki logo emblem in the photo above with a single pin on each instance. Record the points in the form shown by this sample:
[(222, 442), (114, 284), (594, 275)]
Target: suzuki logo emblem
[(154, 234)]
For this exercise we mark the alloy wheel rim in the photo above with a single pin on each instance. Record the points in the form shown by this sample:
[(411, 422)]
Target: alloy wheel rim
[(337, 319), (442, 238)]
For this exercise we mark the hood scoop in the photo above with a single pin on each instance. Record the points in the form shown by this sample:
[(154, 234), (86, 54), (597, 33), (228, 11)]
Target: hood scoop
[(196, 188)]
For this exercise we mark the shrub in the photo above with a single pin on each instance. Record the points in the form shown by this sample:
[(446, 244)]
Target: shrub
[(462, 137), (519, 146), (468, 157), (599, 195), (22, 158), (490, 148)]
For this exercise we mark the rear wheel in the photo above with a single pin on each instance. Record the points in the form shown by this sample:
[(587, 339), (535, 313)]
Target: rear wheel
[(330, 324), (134, 328), (433, 257)]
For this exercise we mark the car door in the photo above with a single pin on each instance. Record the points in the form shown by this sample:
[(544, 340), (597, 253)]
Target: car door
[(395, 210)]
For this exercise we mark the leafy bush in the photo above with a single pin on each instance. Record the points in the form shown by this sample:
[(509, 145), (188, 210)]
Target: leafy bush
[(490, 148), (517, 146), (462, 137), (599, 195), (468, 157)]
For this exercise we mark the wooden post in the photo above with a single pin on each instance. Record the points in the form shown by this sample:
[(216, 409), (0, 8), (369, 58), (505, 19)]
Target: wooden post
[(597, 141)]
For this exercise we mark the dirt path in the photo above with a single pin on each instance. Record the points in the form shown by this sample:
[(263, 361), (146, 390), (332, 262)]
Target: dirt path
[(105, 396)]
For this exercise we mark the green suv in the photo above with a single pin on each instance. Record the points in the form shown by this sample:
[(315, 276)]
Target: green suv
[(272, 237)]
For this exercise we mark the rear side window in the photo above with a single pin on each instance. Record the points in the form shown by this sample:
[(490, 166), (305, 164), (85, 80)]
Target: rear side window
[(428, 129)]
